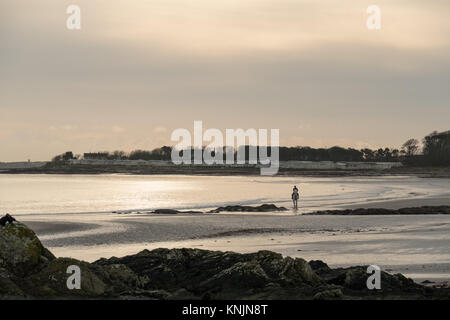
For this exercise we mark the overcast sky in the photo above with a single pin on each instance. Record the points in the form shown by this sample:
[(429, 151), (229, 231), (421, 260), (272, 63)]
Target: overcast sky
[(139, 69)]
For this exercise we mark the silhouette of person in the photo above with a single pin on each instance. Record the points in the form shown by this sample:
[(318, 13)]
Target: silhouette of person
[(295, 197)]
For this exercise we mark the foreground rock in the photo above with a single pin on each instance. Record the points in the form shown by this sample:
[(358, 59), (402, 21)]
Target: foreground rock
[(353, 281), (381, 211), (21, 252), (28, 270), (204, 274)]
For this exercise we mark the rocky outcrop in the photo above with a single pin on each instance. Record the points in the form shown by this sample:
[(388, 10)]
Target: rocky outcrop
[(331, 294), (28, 270), (352, 282), (239, 208), (381, 211), (20, 249), (221, 275)]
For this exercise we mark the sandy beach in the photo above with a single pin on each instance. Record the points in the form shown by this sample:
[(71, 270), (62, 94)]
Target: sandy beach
[(93, 216), (402, 203), (417, 246)]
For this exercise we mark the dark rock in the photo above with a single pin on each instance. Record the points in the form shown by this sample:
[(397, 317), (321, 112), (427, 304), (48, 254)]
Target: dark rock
[(52, 281), (21, 252), (173, 211), (29, 269), (427, 282), (121, 278), (239, 208), (7, 286), (166, 211), (381, 211), (332, 294), (426, 210), (6, 219), (319, 266), (183, 294), (353, 279), (220, 274), (139, 294)]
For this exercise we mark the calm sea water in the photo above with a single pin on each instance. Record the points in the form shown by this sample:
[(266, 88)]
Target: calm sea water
[(28, 194)]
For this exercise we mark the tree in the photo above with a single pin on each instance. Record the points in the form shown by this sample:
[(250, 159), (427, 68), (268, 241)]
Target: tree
[(368, 154), (118, 155), (64, 157), (436, 148), (410, 147), (395, 154)]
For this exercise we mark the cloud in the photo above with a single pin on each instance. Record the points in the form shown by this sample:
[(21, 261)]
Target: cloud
[(117, 129), (221, 28), (304, 126), (65, 127), (160, 130)]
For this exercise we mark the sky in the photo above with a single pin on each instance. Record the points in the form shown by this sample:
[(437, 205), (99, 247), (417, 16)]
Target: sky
[(137, 70)]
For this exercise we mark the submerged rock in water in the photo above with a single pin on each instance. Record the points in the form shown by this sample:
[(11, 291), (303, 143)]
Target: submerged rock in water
[(381, 211), (234, 208), (239, 208), (172, 211), (28, 270), (166, 211)]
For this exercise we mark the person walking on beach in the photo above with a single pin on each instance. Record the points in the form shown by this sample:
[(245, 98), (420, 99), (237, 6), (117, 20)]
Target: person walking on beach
[(295, 197)]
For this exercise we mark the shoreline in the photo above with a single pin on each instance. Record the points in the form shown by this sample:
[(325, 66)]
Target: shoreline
[(424, 206), (89, 194), (425, 172)]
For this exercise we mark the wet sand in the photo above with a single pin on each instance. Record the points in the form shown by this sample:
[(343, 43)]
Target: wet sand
[(49, 228), (403, 203)]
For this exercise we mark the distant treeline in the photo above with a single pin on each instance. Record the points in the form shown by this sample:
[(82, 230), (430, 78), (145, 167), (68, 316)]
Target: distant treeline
[(435, 151)]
